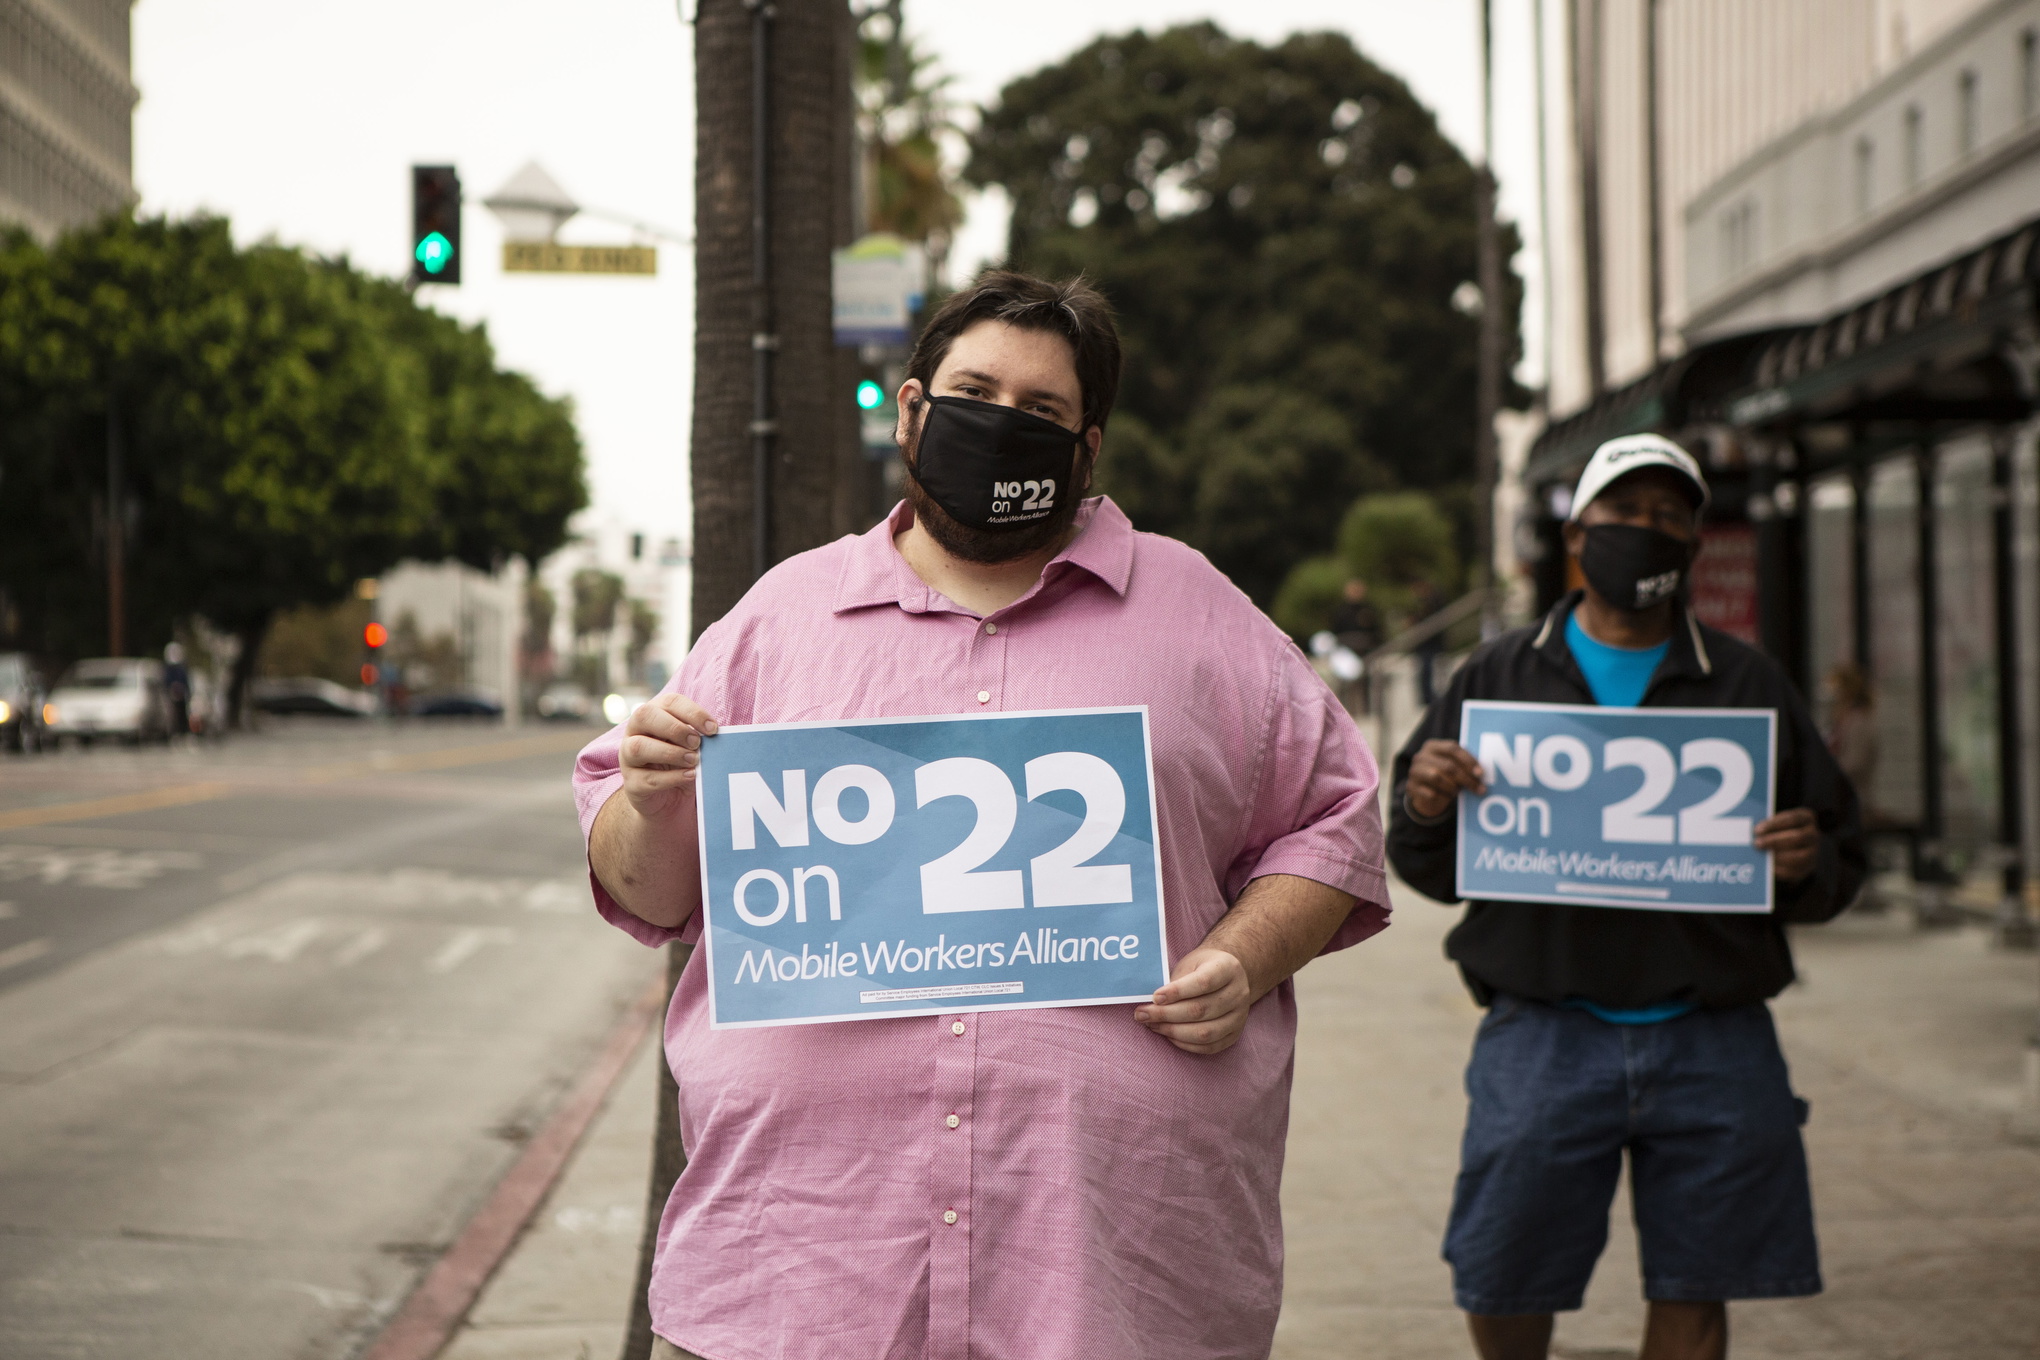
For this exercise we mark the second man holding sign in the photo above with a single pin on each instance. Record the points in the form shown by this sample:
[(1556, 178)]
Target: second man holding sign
[(1043, 1184), (1613, 1029)]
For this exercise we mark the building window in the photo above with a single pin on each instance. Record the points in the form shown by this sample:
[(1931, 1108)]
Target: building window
[(2029, 73), (1914, 152), (1866, 166), (1738, 238), (1971, 133)]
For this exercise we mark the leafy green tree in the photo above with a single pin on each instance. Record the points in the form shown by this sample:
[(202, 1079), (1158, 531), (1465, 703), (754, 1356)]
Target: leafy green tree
[(1397, 542), (597, 594), (1283, 230), (289, 425), (903, 112)]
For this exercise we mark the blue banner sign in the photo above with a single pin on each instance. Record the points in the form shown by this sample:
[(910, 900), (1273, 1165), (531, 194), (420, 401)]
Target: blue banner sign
[(1618, 807), (854, 870)]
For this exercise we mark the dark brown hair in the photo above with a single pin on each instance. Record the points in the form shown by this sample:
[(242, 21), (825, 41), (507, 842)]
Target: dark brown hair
[(1072, 309)]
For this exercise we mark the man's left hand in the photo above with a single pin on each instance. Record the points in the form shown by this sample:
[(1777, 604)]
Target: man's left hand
[(1793, 838), (1203, 1006)]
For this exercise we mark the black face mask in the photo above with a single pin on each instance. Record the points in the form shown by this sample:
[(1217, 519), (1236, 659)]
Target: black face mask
[(994, 468), (1632, 567)]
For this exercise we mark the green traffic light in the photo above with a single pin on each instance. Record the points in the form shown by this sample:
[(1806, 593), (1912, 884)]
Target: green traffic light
[(870, 396), (435, 252)]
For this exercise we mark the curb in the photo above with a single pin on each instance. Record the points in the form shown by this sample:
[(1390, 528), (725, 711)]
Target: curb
[(426, 1322)]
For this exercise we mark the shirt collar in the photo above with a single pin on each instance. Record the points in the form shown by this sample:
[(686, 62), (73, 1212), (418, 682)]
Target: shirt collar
[(1688, 656), (876, 574)]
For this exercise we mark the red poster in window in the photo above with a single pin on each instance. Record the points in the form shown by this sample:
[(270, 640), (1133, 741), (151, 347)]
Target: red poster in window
[(1725, 580)]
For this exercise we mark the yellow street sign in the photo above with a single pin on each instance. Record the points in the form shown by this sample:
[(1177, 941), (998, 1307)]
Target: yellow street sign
[(543, 257)]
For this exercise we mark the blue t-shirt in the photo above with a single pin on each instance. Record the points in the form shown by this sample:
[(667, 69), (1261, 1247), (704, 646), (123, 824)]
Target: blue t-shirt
[(1618, 676)]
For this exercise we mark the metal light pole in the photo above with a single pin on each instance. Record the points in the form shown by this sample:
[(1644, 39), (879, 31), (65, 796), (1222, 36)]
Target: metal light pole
[(1488, 399), (116, 538)]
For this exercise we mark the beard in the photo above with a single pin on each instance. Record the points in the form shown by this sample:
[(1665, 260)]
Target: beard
[(990, 547)]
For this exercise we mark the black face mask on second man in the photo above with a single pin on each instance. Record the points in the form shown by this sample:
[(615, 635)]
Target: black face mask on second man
[(1632, 567), (993, 467)]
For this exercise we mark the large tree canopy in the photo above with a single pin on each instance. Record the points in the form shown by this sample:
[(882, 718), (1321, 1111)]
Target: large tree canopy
[(1283, 230), (287, 426)]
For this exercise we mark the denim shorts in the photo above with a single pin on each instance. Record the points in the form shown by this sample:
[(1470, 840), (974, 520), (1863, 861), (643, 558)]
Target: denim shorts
[(1704, 1108)]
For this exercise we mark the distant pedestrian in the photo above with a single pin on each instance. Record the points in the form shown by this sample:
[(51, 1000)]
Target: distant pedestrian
[(1427, 602), (1852, 725), (1356, 623), (1613, 1030), (177, 689), (1054, 1183)]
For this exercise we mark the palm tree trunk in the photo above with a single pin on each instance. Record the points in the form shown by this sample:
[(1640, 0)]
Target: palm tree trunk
[(813, 448), (809, 210)]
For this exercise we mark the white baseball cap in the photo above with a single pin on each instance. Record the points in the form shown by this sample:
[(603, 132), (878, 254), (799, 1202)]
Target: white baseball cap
[(1620, 457)]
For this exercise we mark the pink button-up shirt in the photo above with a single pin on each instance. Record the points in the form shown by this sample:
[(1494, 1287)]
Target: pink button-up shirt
[(1055, 1184)]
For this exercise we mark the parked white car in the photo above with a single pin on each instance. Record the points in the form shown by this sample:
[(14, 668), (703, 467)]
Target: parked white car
[(112, 696)]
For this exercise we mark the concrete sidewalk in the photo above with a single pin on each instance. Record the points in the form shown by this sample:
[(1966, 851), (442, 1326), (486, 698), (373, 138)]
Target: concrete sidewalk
[(564, 1292), (1910, 1047)]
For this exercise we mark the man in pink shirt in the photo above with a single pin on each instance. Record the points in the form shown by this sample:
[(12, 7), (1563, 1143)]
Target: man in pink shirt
[(1051, 1184)]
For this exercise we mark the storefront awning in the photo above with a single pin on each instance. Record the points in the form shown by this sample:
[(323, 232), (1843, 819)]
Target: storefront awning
[(1677, 393), (1930, 350)]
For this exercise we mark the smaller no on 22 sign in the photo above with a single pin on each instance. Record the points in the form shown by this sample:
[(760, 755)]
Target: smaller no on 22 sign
[(1618, 807), (854, 870)]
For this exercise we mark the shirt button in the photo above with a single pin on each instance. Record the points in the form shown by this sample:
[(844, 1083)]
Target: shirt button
[(984, 696), (991, 628), (952, 1121), (949, 1215), (956, 1028)]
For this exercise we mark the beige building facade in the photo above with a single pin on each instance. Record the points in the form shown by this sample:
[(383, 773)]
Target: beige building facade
[(66, 112), (1638, 272), (1803, 238)]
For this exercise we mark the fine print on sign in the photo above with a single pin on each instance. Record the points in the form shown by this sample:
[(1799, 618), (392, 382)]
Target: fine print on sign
[(1618, 807), (856, 870), (543, 257)]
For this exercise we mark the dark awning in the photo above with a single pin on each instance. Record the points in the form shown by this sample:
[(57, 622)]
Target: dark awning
[(1677, 393), (1930, 350)]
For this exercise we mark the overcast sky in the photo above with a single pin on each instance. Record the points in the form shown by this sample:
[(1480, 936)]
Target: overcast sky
[(300, 120)]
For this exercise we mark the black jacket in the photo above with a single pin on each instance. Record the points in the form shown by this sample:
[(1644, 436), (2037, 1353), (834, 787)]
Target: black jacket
[(1615, 956)]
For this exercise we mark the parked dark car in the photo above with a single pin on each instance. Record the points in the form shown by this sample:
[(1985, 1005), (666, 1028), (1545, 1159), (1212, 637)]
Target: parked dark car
[(307, 694), (456, 705), (21, 704)]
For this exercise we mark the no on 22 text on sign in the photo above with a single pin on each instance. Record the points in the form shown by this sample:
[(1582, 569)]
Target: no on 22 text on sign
[(1618, 807), (855, 870)]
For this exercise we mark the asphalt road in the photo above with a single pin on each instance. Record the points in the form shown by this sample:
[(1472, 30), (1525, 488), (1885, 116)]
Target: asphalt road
[(274, 1017)]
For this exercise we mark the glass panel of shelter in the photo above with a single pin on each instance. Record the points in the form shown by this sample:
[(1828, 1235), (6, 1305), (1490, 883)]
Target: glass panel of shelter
[(1965, 505), (1894, 798)]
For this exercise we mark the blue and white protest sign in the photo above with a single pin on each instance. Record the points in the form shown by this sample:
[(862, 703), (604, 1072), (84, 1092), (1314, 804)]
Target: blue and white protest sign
[(1618, 807), (853, 870)]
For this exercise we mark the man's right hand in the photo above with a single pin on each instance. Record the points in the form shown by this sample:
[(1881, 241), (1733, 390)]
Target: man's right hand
[(1439, 772), (661, 752)]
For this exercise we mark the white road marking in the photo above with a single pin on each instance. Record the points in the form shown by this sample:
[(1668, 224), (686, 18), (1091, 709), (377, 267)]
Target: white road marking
[(26, 952), (280, 943), (90, 868), (566, 896), (465, 944), (361, 946)]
